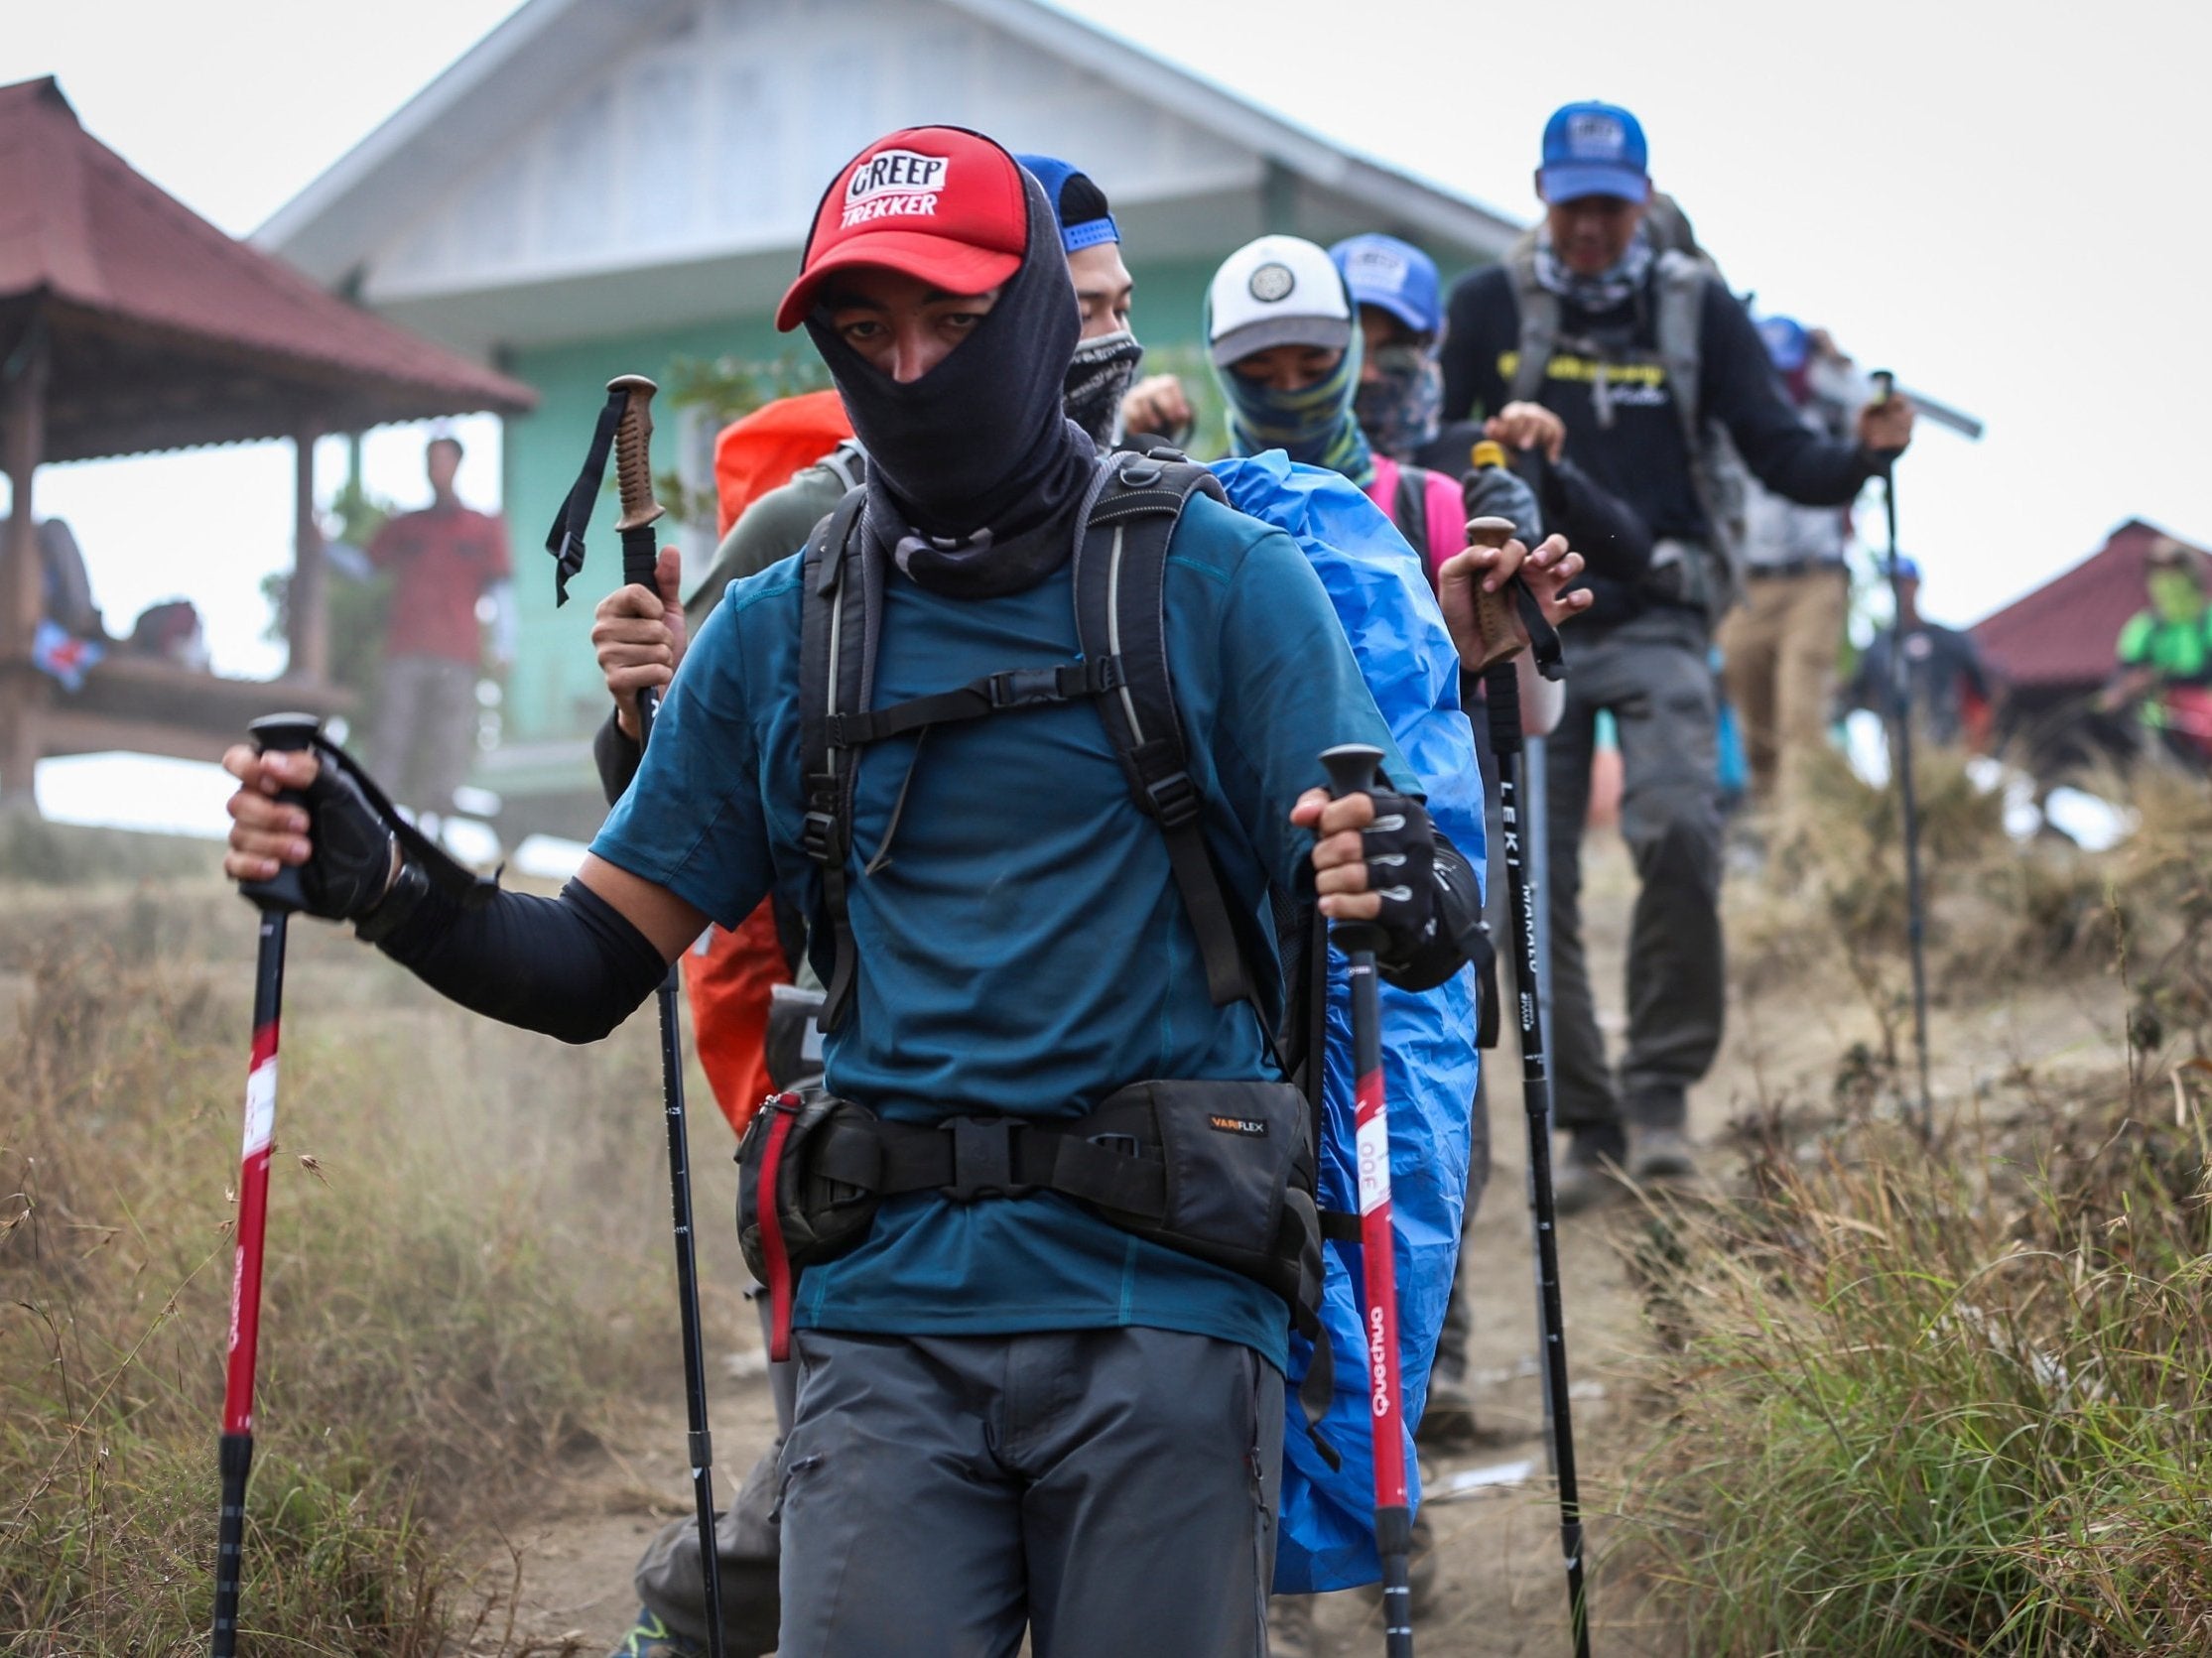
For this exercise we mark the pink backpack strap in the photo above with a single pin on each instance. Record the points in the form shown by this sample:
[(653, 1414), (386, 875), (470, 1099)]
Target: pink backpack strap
[(1440, 532)]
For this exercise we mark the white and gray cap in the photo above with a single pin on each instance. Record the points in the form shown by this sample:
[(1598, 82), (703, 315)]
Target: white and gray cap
[(1276, 291)]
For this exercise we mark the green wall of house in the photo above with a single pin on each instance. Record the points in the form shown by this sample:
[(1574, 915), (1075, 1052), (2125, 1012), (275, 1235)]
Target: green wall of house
[(554, 699)]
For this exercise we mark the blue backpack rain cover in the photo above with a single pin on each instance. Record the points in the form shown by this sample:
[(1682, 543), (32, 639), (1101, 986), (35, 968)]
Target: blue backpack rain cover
[(1326, 1536)]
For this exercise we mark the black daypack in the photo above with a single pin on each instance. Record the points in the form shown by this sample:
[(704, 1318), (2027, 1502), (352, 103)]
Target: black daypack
[(1223, 1169), (1135, 503)]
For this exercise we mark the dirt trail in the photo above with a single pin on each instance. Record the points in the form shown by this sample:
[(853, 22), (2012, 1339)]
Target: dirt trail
[(1500, 1589)]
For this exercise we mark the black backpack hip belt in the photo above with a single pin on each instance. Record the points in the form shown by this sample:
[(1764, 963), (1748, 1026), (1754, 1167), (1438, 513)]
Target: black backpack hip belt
[(1220, 1170)]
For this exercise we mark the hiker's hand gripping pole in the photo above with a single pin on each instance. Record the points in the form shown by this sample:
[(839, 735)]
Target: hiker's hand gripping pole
[(1351, 771), (633, 477), (1502, 694), (275, 898)]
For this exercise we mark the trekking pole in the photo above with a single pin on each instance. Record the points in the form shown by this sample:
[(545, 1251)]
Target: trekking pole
[(1352, 768), (1502, 692), (276, 898), (633, 475), (1900, 703)]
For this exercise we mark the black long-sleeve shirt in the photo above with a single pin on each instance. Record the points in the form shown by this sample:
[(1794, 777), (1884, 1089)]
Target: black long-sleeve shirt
[(1641, 457)]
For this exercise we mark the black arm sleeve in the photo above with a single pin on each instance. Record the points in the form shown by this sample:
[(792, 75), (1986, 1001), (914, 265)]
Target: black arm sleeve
[(571, 967), (1740, 391), (617, 756), (1598, 524), (1446, 946)]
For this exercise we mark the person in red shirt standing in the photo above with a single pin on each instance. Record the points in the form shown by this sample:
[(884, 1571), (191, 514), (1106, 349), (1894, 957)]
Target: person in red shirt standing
[(442, 560)]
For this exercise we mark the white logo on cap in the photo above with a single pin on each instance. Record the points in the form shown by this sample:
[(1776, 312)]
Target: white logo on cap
[(894, 183), (1271, 282), (1595, 138), (1380, 267)]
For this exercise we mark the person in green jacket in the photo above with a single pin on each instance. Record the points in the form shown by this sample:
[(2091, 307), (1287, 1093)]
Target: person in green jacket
[(2165, 656)]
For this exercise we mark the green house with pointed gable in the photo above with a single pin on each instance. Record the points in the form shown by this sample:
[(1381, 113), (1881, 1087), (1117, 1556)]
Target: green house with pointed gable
[(603, 187)]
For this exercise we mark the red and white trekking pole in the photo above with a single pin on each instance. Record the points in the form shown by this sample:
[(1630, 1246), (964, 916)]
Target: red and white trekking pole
[(1352, 768), (275, 898)]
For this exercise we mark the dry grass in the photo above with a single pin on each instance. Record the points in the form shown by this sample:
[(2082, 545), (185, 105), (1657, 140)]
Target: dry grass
[(1955, 1399), (456, 1283)]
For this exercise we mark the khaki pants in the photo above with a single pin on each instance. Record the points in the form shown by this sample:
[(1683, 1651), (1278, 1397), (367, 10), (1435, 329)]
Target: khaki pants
[(1778, 663), (424, 737)]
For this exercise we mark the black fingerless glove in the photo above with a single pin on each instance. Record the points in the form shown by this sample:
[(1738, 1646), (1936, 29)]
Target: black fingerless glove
[(350, 840), (1400, 847), (353, 831), (1493, 492)]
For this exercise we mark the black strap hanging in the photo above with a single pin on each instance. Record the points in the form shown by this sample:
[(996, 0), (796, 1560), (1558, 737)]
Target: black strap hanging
[(564, 541)]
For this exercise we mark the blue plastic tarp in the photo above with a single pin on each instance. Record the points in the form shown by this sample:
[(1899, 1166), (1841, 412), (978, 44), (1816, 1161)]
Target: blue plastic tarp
[(1326, 1536)]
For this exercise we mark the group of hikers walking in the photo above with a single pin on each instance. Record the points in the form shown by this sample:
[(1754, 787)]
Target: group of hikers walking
[(1003, 723)]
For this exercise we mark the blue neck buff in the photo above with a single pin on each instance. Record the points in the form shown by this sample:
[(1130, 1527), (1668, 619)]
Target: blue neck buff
[(1314, 425)]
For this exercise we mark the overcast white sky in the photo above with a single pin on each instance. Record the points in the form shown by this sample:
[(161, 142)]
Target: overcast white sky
[(2004, 202)]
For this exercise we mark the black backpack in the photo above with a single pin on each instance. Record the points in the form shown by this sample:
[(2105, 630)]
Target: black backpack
[(1122, 665)]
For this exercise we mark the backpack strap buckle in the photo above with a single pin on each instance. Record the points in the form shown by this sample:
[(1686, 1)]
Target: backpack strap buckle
[(1021, 687), (1174, 799), (984, 1152)]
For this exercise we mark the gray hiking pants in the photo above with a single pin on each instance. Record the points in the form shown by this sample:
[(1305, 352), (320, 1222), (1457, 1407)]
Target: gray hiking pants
[(1652, 674), (1113, 1491), (424, 737)]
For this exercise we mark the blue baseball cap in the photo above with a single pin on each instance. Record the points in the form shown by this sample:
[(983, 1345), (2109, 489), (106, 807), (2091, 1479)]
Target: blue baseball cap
[(1594, 149), (1398, 276), (1078, 203), (1908, 569), (1787, 342)]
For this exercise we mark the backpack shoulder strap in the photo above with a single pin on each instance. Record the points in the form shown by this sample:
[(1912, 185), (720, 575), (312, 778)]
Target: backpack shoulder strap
[(1539, 328), (1120, 578), (841, 604), (1678, 327)]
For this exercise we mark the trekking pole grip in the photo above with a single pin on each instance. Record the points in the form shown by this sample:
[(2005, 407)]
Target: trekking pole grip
[(281, 733), (633, 477), (1500, 683), (1352, 768)]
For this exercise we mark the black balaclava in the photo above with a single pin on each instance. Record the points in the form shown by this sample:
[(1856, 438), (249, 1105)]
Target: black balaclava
[(974, 471)]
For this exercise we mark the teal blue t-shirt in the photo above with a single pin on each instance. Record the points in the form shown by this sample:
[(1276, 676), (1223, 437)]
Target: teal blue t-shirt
[(1023, 949)]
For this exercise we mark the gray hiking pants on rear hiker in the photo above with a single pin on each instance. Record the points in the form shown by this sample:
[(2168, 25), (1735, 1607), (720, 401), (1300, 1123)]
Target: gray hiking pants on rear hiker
[(1652, 674), (1113, 1491)]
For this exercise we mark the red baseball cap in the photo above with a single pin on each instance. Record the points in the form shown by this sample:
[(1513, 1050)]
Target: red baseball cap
[(943, 204)]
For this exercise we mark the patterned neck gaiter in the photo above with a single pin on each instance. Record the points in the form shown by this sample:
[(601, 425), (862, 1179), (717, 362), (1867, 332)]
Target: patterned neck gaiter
[(1609, 287), (1314, 425), (1399, 408)]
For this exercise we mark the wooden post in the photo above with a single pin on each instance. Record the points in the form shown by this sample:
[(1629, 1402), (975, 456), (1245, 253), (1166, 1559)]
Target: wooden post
[(21, 689), (310, 622)]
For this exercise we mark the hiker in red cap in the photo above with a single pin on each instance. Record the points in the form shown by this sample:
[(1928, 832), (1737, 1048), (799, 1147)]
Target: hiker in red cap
[(1040, 1383)]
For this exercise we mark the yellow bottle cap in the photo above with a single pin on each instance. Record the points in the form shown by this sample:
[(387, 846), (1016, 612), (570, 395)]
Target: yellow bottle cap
[(1488, 453)]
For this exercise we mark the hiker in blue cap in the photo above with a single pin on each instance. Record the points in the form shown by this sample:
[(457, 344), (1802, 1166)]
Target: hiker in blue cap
[(1639, 354)]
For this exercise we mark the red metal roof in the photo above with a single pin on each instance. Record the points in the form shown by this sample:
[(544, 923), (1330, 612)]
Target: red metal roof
[(2061, 635), (166, 332)]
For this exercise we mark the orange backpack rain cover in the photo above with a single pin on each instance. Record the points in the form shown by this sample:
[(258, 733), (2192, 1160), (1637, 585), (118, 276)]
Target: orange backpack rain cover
[(729, 977)]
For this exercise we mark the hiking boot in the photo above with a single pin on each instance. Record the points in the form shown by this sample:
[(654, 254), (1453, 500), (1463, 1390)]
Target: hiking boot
[(1290, 1627), (1587, 1175), (1447, 1420), (649, 1637), (1663, 1154), (1420, 1576)]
